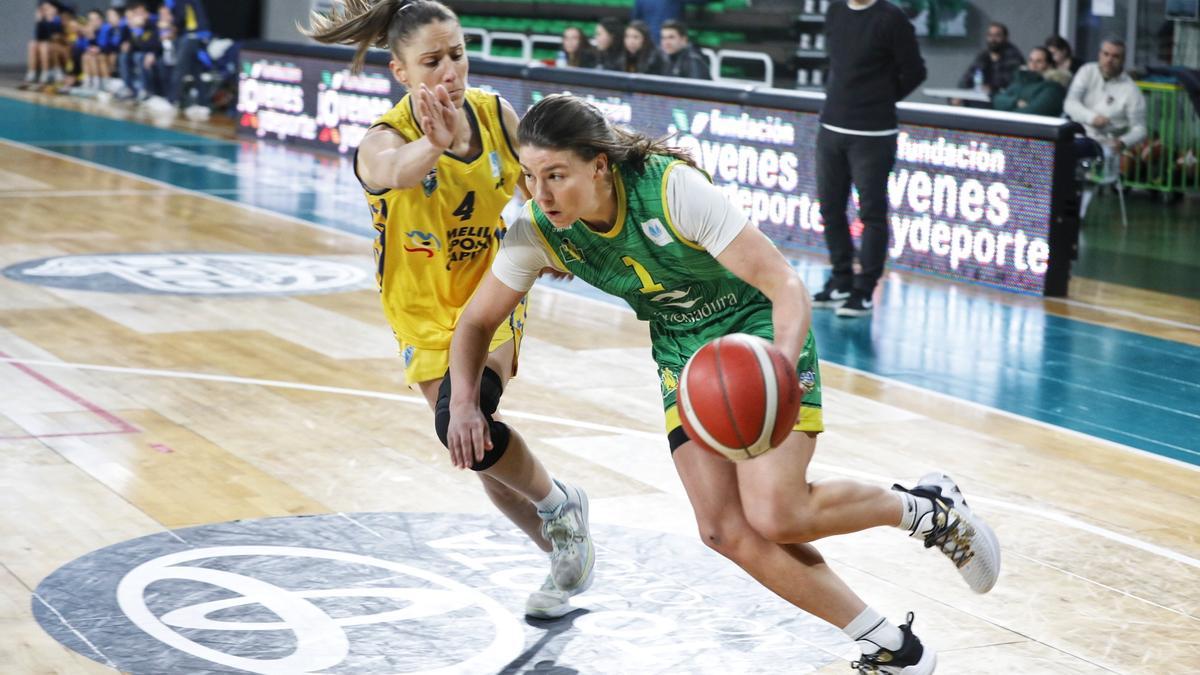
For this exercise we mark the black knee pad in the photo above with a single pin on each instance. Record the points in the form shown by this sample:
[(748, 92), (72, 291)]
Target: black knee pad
[(490, 390)]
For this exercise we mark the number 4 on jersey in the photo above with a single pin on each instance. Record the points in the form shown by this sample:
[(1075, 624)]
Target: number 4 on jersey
[(467, 207)]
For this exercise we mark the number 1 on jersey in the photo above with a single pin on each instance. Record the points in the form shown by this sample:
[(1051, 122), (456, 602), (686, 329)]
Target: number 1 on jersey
[(649, 285)]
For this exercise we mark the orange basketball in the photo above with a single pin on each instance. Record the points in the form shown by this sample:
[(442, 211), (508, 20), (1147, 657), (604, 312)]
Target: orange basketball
[(739, 396)]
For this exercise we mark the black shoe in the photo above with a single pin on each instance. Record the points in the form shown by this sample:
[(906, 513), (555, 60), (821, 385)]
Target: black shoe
[(912, 658), (859, 304), (830, 298)]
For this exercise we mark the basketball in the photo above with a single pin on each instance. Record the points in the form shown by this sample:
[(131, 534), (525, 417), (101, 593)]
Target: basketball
[(739, 396)]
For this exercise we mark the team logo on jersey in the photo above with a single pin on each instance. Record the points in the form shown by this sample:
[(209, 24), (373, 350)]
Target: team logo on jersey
[(190, 274), (420, 241), (570, 252), (668, 380), (655, 232), (430, 182), (808, 380), (676, 298)]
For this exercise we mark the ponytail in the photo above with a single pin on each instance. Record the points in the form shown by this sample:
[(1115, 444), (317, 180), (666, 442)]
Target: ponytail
[(386, 24)]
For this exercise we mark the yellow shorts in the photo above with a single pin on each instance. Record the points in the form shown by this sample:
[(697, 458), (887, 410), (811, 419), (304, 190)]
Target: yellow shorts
[(810, 419), (422, 365)]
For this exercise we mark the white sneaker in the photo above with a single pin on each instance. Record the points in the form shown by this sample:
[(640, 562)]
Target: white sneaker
[(548, 602), (158, 104), (573, 558), (958, 533), (197, 113)]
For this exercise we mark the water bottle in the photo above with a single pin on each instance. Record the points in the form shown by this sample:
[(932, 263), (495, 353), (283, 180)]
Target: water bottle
[(802, 77), (979, 79), (561, 61)]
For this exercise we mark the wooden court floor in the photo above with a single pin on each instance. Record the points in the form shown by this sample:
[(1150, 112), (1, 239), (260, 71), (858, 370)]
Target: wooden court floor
[(124, 415)]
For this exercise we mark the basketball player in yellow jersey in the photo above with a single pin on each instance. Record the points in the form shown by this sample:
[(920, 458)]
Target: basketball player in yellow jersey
[(438, 169)]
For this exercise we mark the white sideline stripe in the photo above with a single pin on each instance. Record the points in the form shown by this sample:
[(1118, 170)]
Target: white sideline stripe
[(1014, 416), (1037, 512), (361, 393), (1126, 313), (62, 619)]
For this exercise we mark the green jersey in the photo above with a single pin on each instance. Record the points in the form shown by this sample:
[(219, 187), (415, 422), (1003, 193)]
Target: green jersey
[(673, 283)]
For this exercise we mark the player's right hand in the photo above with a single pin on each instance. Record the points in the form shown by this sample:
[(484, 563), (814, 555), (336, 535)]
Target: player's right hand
[(439, 117), (468, 436)]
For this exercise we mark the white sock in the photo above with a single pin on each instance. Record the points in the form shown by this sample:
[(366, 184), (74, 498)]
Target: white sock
[(872, 631), (30, 75), (548, 506), (914, 518)]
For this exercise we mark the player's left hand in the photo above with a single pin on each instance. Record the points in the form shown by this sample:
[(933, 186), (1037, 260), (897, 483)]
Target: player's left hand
[(468, 436)]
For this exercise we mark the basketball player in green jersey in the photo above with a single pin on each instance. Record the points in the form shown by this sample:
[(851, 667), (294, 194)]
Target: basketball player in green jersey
[(638, 220)]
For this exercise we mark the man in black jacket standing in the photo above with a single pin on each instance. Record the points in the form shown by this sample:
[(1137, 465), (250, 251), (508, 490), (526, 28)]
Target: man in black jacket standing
[(874, 62)]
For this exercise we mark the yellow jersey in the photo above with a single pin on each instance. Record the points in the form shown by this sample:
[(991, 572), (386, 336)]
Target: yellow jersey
[(437, 240)]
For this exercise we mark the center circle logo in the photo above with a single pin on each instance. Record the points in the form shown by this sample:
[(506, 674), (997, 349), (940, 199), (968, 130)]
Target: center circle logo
[(427, 593), (191, 274)]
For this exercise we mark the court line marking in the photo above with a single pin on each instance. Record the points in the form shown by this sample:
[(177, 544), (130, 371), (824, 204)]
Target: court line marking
[(1011, 415), (1047, 514), (1026, 634), (1120, 312), (1037, 512), (71, 434), (121, 425), (108, 662), (1105, 586), (154, 181), (301, 386)]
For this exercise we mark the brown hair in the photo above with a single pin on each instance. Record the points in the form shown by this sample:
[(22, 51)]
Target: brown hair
[(566, 122), (386, 24)]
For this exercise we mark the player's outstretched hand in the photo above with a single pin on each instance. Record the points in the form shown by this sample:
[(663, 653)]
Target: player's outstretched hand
[(439, 117)]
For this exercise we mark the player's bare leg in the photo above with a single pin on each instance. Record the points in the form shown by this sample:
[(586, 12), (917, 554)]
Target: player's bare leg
[(795, 572)]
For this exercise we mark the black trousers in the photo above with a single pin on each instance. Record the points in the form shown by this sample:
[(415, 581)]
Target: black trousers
[(865, 162)]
